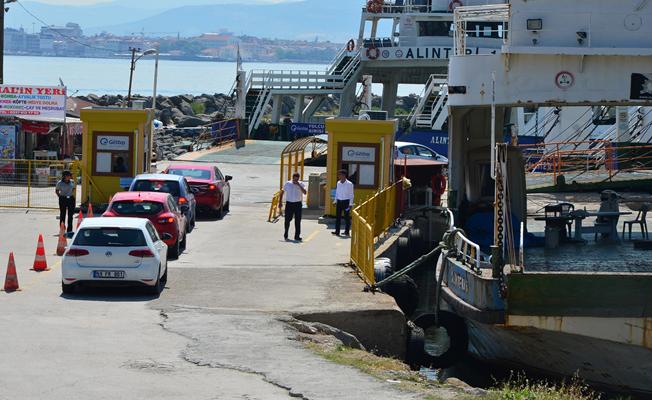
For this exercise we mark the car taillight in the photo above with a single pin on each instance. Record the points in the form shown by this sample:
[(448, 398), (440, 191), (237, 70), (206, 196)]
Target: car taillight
[(166, 220), (141, 253), (77, 252), (182, 200), (212, 187)]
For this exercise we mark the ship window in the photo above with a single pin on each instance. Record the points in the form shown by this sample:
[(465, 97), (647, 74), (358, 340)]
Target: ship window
[(604, 115), (494, 30), (435, 28)]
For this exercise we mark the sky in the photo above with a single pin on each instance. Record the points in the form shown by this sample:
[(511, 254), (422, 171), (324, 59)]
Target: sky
[(153, 2)]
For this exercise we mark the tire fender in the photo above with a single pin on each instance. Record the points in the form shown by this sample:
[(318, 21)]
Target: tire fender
[(458, 336)]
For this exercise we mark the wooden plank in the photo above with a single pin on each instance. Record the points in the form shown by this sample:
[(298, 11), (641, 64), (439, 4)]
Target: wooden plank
[(578, 294)]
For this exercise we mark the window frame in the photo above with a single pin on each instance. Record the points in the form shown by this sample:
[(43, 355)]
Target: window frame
[(131, 159), (376, 164)]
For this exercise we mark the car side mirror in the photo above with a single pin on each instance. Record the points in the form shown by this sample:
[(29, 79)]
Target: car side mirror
[(184, 208), (228, 178), (166, 236)]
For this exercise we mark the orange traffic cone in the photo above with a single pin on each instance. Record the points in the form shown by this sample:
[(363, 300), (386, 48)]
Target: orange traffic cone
[(80, 218), (40, 263), (11, 281), (89, 214), (63, 243)]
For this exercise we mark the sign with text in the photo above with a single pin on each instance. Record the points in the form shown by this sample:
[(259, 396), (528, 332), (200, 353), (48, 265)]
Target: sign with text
[(358, 154), (419, 53), (114, 143), (33, 101), (303, 129)]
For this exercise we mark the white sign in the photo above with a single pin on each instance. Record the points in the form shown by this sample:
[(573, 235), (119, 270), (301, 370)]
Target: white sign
[(358, 154), (33, 101), (564, 80), (417, 53), (120, 143)]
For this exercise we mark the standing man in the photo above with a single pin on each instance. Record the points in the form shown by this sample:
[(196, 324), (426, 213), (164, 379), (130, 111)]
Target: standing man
[(293, 191), (344, 199), (65, 190)]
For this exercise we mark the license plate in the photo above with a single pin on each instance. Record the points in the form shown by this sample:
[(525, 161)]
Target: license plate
[(108, 274)]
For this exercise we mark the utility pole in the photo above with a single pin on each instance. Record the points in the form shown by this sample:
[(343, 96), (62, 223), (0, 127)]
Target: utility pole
[(3, 11), (131, 73)]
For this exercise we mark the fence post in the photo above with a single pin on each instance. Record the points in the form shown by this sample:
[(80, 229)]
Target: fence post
[(29, 183)]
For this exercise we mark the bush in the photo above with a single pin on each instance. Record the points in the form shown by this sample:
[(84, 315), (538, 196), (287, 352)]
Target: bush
[(198, 108), (521, 388)]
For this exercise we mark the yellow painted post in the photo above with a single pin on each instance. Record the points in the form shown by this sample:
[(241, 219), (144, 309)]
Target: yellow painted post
[(290, 165), (303, 160), (29, 183), (281, 175)]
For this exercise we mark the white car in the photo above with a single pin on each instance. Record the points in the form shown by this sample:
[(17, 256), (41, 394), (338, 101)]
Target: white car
[(417, 151), (115, 252)]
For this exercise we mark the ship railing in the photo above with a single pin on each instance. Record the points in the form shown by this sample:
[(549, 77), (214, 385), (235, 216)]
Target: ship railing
[(404, 8), (489, 13), (468, 252)]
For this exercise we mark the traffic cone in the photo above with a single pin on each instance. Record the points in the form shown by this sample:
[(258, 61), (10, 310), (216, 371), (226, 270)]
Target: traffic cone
[(40, 263), (11, 281), (80, 218), (63, 243), (89, 214)]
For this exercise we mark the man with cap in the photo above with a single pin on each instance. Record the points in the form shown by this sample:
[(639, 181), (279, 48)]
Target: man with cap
[(293, 191), (65, 190)]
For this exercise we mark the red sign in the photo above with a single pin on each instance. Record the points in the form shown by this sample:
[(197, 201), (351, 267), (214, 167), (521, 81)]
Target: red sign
[(41, 128)]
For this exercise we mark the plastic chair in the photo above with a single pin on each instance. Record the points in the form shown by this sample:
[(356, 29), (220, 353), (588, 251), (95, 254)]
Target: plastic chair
[(641, 219), (561, 210)]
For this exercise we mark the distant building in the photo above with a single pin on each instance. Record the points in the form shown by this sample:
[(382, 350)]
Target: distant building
[(70, 30)]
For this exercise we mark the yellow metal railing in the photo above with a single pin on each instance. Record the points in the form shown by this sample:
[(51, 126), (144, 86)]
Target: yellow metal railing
[(274, 211), (30, 183), (369, 221)]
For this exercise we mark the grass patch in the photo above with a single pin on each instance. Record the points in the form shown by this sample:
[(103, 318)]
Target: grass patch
[(198, 108), (520, 388)]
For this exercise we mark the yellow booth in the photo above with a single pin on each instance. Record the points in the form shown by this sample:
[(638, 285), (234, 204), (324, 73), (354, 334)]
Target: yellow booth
[(365, 149), (116, 148)]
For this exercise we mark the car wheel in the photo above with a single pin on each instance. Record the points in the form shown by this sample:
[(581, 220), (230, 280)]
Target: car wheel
[(67, 289), (158, 287), (164, 278), (184, 243), (175, 250), (219, 213), (227, 207)]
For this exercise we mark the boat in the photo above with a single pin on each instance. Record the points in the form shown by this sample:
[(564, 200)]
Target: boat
[(529, 292)]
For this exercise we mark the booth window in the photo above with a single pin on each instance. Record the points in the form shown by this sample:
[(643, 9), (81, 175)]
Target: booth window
[(113, 154), (361, 161)]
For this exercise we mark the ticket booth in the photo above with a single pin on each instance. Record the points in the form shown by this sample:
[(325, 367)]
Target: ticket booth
[(116, 148), (365, 149)]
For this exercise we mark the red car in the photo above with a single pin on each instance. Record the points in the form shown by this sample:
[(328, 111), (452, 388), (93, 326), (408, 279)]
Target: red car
[(160, 209), (211, 188)]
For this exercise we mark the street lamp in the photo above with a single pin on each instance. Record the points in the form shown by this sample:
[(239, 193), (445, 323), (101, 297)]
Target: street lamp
[(3, 11), (134, 59)]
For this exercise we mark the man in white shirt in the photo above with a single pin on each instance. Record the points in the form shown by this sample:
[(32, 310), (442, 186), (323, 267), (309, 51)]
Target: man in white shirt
[(293, 191), (344, 203)]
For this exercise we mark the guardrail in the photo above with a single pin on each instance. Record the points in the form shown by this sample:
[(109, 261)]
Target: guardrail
[(469, 252), (274, 211), (30, 183), (369, 221)]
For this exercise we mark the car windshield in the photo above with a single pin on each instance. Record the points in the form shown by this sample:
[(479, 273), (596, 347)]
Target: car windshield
[(190, 173), (133, 207), (110, 237), (171, 187)]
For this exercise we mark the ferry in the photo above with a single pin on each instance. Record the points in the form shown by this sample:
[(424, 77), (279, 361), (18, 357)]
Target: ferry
[(558, 291)]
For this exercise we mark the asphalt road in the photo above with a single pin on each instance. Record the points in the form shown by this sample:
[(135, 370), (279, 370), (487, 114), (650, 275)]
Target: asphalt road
[(214, 333)]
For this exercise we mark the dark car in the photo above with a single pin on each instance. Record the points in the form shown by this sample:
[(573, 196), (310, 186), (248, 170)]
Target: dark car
[(176, 185)]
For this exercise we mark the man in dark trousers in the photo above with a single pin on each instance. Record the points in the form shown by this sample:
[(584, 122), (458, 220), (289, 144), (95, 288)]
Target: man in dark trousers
[(65, 190), (293, 191), (344, 203)]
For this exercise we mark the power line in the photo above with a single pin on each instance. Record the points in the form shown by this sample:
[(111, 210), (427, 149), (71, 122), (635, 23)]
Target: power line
[(73, 39)]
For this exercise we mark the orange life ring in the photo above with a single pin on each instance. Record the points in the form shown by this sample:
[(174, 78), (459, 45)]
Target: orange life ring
[(454, 4), (372, 52), (350, 46)]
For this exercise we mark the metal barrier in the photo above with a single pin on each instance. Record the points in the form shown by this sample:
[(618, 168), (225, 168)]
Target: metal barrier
[(369, 221), (30, 183), (273, 209)]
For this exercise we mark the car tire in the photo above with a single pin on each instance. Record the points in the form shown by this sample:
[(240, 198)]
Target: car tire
[(164, 278), (184, 244), (219, 214), (174, 251), (67, 289), (227, 207), (157, 288), (191, 225)]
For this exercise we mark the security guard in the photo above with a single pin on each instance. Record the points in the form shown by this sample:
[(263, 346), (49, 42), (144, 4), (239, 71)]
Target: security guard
[(65, 190)]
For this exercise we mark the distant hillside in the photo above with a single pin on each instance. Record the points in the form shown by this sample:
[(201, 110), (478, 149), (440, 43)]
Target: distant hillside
[(335, 20), (86, 16)]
